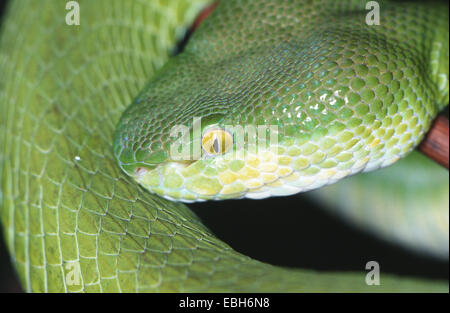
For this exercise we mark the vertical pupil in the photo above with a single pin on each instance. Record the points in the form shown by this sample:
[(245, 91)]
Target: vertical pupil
[(216, 145), (215, 142)]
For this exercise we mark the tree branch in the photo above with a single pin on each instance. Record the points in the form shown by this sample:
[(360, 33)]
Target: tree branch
[(435, 143)]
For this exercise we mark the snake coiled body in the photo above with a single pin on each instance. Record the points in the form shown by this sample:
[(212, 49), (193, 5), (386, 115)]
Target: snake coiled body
[(65, 202)]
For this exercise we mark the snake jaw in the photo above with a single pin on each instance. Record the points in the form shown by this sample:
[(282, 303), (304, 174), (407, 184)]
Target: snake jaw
[(277, 171)]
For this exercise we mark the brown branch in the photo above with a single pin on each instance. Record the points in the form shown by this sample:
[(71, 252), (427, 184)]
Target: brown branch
[(204, 14), (435, 143)]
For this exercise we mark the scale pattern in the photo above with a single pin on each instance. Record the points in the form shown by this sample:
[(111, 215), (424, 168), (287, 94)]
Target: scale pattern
[(63, 200)]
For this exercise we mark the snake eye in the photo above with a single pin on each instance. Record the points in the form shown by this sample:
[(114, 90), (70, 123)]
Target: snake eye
[(217, 141)]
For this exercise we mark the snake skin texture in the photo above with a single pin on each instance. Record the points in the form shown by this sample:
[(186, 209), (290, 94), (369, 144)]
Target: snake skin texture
[(64, 202)]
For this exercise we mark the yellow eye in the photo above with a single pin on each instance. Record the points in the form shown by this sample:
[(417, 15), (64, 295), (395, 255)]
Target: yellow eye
[(217, 141)]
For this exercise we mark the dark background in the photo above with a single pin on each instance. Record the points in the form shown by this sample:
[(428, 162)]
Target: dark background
[(8, 281), (292, 232)]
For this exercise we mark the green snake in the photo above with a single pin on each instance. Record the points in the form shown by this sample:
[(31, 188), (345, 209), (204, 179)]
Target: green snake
[(83, 177)]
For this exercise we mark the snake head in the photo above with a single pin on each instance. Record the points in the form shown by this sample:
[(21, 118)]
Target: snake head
[(196, 156), (331, 103)]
